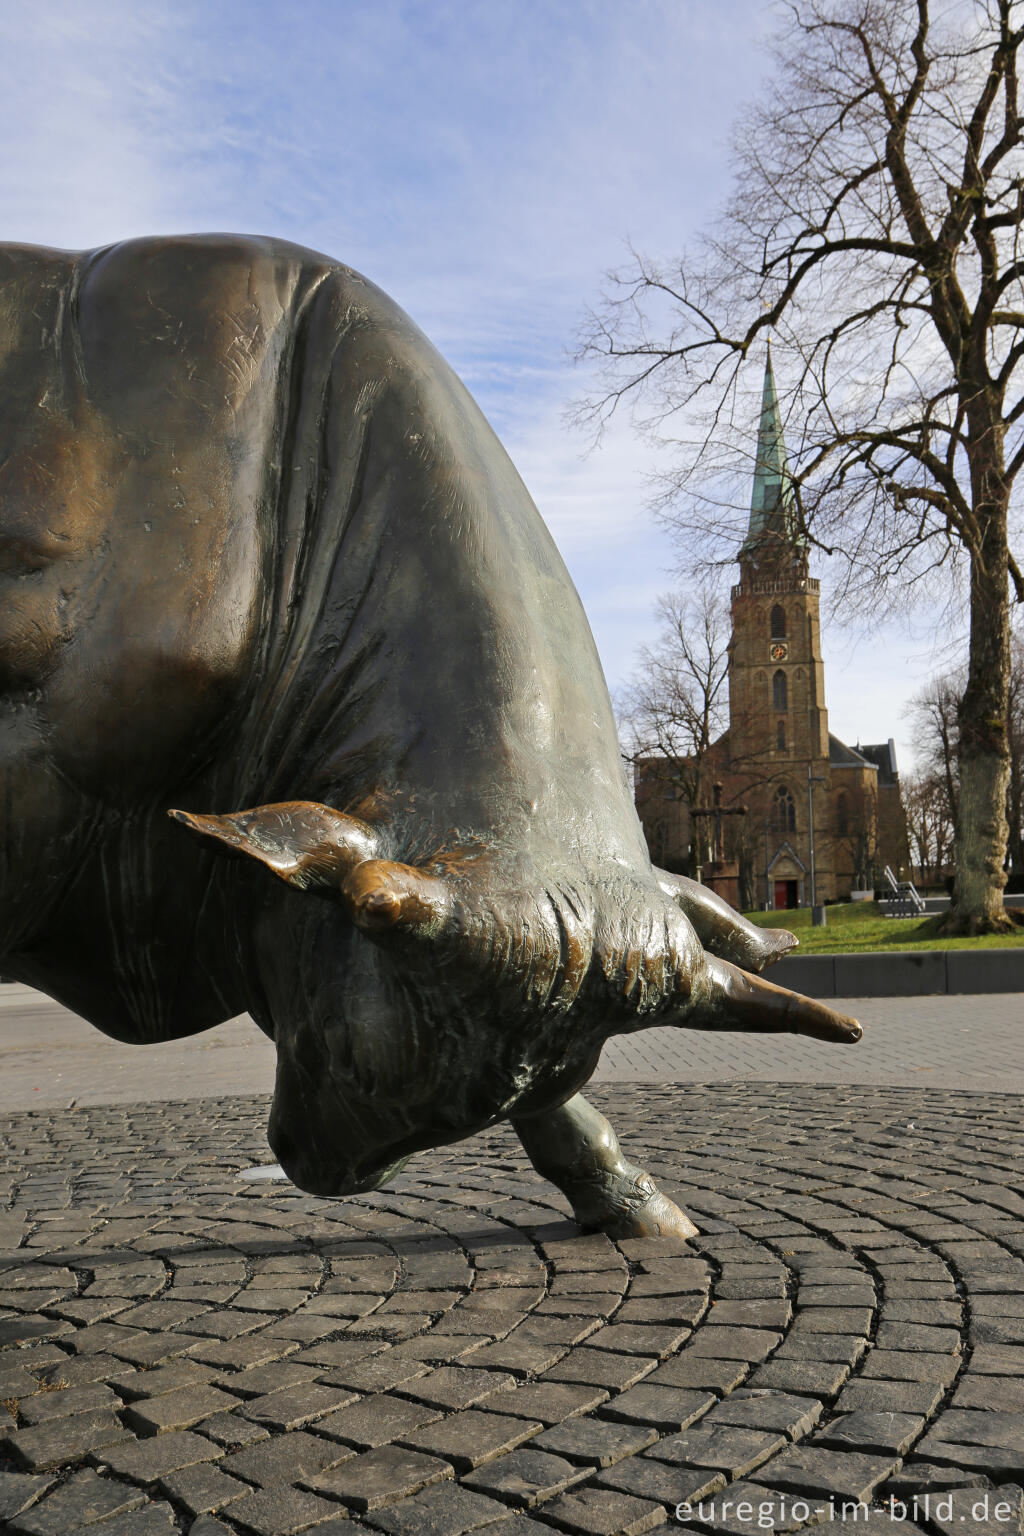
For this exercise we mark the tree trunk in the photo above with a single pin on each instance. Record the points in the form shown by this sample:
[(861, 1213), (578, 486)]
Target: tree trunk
[(981, 830), (1015, 803)]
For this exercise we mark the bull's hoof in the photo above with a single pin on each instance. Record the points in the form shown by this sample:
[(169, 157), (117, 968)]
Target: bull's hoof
[(656, 1217), (774, 944), (635, 1207)]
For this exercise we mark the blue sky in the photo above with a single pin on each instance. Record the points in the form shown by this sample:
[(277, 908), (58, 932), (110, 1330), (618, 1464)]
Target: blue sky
[(484, 161)]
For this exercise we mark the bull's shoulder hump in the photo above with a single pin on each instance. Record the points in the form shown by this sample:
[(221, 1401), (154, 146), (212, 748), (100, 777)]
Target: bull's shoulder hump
[(175, 275), (33, 281), (34, 261), (184, 326)]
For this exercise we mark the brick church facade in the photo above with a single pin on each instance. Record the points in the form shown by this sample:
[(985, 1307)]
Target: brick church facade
[(793, 813)]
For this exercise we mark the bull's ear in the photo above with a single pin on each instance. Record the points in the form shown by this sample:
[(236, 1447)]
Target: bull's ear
[(388, 899), (310, 846)]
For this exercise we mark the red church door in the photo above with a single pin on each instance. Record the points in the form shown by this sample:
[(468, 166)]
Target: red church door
[(785, 894)]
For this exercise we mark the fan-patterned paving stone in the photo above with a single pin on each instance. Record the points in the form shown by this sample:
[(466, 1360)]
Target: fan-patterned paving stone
[(376, 1420), (293, 1456), (552, 1402), (41, 1406), (144, 1460), (196, 1353), (61, 1442), (666, 1408), (602, 1512), (19, 1491), (84, 1499), (443, 1509), (595, 1441), (526, 1477), (601, 1368), (382, 1476)]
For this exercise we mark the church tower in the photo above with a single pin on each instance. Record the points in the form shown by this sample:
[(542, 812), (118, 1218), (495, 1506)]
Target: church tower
[(778, 723), (777, 765)]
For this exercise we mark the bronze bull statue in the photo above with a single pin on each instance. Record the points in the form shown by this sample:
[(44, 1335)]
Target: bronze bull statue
[(259, 548)]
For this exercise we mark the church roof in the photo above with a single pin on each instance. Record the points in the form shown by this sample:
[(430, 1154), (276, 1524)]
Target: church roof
[(883, 755), (773, 503), (787, 851), (842, 756)]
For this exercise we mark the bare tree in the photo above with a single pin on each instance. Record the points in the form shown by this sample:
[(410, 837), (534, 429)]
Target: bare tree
[(675, 707), (929, 825), (854, 833), (935, 726), (935, 732), (875, 227), (1015, 793)]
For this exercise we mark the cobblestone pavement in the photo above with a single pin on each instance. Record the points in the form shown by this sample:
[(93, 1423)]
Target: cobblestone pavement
[(184, 1350), (49, 1056)]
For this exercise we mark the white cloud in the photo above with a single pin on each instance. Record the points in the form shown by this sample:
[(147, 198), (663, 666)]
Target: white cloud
[(481, 160)]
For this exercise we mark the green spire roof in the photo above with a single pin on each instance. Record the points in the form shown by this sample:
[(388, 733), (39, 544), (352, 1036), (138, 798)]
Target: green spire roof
[(773, 504)]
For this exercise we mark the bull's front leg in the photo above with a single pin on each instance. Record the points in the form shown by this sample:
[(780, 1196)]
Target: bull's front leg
[(577, 1150), (721, 929)]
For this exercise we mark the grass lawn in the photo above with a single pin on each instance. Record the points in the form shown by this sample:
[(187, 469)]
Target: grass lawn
[(860, 925)]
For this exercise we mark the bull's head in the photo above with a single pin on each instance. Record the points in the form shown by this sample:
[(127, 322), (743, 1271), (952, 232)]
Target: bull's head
[(481, 993)]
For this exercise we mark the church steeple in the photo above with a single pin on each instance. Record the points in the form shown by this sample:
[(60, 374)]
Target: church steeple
[(776, 673), (773, 517)]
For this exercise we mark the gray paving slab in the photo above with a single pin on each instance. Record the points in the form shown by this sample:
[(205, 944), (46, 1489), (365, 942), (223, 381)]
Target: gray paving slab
[(969, 1043), (50, 1057)]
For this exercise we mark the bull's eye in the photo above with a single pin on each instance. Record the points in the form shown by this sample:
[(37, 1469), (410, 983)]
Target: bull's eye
[(22, 557)]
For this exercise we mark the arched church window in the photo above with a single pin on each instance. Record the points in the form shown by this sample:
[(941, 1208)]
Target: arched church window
[(780, 693), (842, 814), (780, 735), (778, 622), (783, 816)]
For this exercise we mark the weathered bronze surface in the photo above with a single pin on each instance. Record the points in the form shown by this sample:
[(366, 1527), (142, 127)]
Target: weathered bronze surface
[(259, 548)]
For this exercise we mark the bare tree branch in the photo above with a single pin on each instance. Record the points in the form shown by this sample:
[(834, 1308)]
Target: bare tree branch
[(875, 228)]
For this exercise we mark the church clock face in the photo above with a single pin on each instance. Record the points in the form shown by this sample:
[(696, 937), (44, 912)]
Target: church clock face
[(779, 650)]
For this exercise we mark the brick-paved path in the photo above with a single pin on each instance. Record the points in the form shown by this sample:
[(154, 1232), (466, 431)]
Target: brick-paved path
[(450, 1355)]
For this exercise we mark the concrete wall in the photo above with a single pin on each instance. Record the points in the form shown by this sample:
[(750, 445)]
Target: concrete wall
[(934, 904), (907, 973), (910, 973)]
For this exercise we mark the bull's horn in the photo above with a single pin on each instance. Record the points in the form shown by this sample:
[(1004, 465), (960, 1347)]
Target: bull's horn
[(308, 845), (734, 1000), (315, 848)]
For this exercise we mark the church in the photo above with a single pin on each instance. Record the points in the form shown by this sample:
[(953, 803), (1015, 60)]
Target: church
[(795, 817)]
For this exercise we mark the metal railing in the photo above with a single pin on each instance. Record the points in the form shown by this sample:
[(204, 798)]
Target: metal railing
[(781, 584), (905, 900)]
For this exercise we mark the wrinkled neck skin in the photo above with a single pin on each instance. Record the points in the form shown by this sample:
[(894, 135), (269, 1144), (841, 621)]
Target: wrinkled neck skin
[(100, 904), (428, 664)]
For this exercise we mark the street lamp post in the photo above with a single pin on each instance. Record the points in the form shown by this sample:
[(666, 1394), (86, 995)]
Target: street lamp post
[(817, 913), (768, 903)]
